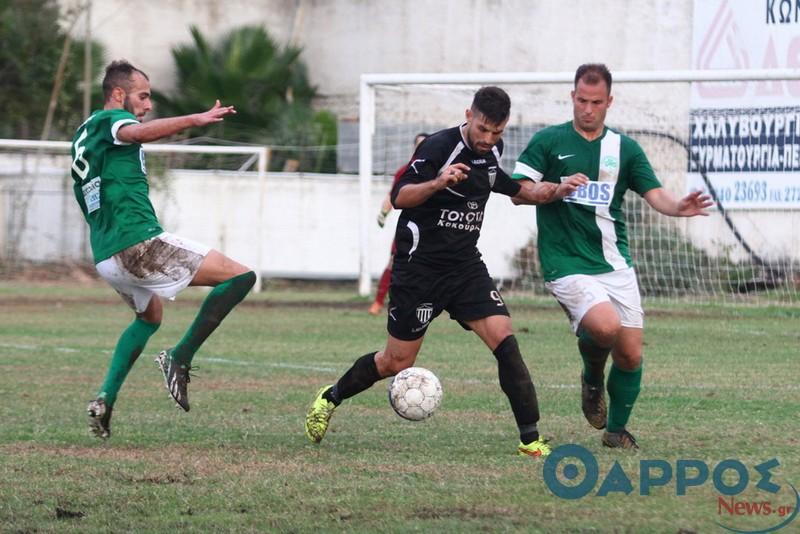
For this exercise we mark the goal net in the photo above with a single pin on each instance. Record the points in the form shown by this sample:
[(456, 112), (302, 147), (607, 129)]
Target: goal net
[(747, 250)]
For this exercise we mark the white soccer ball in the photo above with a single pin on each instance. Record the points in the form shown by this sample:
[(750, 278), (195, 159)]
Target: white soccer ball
[(415, 393)]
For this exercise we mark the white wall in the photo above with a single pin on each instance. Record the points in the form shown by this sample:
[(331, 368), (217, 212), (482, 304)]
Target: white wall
[(310, 221), (342, 39)]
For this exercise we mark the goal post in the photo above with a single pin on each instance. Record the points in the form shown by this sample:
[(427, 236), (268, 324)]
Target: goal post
[(721, 262)]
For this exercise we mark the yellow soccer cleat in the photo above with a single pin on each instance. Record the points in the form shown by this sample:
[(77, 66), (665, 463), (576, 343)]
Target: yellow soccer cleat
[(318, 416), (537, 449)]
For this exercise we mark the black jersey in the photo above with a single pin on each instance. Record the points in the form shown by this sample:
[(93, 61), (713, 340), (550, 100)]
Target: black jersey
[(443, 231)]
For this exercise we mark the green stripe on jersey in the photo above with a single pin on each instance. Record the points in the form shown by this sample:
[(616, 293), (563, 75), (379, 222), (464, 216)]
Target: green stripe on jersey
[(585, 233)]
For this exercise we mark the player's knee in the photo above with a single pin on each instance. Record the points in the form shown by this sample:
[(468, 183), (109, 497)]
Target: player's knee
[(243, 281), (605, 334), (153, 322), (391, 363), (153, 314), (628, 361), (247, 278), (509, 356)]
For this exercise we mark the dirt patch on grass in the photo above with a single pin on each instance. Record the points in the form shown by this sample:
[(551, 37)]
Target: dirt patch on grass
[(182, 465), (175, 464), (462, 512)]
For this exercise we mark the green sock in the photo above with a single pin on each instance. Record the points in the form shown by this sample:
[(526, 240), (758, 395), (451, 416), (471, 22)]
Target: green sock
[(215, 307), (594, 358), (623, 388), (130, 345)]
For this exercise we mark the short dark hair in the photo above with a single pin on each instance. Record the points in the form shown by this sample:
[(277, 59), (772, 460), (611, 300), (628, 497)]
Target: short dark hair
[(119, 73), (592, 73), (493, 103)]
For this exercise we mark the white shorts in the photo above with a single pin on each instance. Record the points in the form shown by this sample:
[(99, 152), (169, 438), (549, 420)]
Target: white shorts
[(163, 265), (578, 293)]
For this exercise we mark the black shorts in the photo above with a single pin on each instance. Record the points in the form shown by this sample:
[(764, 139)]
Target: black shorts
[(418, 295)]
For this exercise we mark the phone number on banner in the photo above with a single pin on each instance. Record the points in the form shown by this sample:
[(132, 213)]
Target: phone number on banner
[(752, 190)]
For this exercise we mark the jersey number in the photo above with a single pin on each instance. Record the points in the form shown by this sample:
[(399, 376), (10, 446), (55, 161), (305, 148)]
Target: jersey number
[(495, 296), (79, 164)]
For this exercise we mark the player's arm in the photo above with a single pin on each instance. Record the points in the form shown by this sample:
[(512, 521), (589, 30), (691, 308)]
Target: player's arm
[(523, 191), (535, 193), (160, 128), (661, 200), (410, 195), (529, 172), (386, 207)]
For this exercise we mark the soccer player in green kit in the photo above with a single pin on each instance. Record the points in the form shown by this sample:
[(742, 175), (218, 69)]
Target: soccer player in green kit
[(131, 251), (583, 245)]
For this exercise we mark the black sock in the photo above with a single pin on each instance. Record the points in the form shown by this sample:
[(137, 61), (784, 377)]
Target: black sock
[(359, 377), (516, 383)]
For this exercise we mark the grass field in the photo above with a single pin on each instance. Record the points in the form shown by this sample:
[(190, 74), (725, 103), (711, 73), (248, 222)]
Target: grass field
[(720, 383)]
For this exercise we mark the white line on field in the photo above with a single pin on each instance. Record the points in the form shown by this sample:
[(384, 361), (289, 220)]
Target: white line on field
[(18, 346), (269, 364), (319, 368)]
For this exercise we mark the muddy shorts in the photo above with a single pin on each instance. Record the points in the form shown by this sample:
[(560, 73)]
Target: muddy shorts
[(163, 265)]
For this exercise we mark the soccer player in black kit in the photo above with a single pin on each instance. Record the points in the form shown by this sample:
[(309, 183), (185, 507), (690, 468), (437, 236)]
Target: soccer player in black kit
[(438, 267)]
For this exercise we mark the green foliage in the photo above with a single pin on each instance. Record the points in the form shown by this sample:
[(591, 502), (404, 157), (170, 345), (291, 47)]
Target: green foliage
[(269, 86), (31, 42)]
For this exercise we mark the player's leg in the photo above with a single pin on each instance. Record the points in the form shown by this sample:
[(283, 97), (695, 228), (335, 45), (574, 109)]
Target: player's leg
[(412, 307), (231, 282), (597, 332), (368, 369), (625, 376), (596, 324), (624, 385), (477, 305), (515, 380), (128, 348)]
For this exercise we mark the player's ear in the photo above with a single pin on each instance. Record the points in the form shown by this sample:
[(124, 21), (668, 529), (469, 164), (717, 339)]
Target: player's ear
[(468, 114), (610, 100), (118, 95)]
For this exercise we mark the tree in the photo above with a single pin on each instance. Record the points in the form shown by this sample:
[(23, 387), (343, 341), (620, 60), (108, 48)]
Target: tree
[(31, 41), (270, 88)]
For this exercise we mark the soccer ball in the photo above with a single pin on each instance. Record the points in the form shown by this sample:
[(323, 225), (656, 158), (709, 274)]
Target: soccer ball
[(415, 393)]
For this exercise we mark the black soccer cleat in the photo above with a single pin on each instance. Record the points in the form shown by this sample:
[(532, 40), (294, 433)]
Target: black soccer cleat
[(176, 378), (99, 418), (619, 440), (593, 404)]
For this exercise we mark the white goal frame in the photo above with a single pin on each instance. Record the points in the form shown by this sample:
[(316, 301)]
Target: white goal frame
[(261, 153), (366, 127)]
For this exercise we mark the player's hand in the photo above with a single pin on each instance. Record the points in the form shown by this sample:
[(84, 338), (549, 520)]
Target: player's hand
[(452, 175), (215, 114), (382, 218), (570, 185), (695, 203)]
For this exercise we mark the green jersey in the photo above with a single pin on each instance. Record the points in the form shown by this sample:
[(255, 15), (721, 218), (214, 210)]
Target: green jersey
[(585, 232), (110, 184)]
